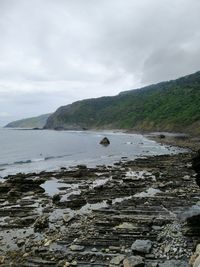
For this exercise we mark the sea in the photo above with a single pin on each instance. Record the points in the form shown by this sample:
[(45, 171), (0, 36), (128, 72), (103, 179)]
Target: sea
[(24, 150)]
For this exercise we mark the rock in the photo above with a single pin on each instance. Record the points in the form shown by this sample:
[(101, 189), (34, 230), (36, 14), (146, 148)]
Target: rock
[(67, 218), (74, 263), (196, 166), (2, 259), (48, 243), (174, 263), (142, 246), (195, 255), (67, 264), (76, 248), (41, 223), (94, 250), (56, 198), (20, 243), (197, 262), (134, 261), (105, 141), (162, 136), (117, 260)]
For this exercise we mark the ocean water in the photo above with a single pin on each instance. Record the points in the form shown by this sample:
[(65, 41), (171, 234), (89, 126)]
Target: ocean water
[(38, 150)]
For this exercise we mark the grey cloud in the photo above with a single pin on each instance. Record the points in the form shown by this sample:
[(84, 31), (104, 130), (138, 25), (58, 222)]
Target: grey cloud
[(55, 52)]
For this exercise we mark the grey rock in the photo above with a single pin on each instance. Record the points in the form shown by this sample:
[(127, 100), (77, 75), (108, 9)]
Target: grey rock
[(174, 263), (76, 248), (142, 246), (197, 262), (134, 261), (117, 260)]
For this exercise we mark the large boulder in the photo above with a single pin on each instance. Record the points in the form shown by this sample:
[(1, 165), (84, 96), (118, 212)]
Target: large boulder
[(105, 141)]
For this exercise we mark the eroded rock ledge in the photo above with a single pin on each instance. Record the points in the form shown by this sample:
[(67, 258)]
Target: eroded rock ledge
[(133, 214)]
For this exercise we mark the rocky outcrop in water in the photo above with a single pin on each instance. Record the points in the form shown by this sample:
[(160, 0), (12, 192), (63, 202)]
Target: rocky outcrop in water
[(105, 141)]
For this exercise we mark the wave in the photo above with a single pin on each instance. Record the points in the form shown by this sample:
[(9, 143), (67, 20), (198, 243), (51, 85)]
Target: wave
[(35, 160)]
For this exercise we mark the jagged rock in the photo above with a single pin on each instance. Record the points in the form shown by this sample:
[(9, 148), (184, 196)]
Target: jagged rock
[(41, 223), (174, 263), (105, 141), (142, 246), (134, 261)]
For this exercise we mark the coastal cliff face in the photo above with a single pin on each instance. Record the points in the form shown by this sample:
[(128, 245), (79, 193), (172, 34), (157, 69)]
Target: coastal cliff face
[(35, 122), (166, 106)]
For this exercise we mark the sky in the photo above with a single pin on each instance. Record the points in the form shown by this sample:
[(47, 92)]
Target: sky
[(54, 52)]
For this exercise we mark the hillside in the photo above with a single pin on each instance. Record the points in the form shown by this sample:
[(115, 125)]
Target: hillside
[(166, 106), (34, 122)]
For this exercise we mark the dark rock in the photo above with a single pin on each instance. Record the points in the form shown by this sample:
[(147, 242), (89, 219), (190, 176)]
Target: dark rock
[(196, 166), (162, 136), (56, 198), (41, 223), (105, 141)]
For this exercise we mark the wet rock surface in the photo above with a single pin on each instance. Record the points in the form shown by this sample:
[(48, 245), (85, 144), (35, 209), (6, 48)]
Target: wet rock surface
[(117, 215)]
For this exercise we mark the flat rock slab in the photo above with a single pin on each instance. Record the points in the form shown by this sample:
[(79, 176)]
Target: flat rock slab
[(174, 263)]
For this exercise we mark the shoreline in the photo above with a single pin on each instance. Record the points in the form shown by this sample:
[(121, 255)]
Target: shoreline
[(97, 220), (94, 216)]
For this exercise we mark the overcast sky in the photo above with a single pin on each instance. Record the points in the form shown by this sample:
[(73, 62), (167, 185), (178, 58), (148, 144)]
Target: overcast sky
[(54, 52)]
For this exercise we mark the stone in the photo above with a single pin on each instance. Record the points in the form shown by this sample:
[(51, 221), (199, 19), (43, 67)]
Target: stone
[(20, 242), (162, 136), (105, 141), (56, 198), (67, 264), (197, 262), (76, 248), (174, 263), (48, 243), (117, 260), (142, 246), (2, 259), (67, 218), (41, 223), (134, 261)]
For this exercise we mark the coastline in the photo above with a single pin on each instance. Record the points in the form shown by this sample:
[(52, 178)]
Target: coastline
[(96, 214)]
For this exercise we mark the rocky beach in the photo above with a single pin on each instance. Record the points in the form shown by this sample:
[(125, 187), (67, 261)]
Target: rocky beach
[(135, 213)]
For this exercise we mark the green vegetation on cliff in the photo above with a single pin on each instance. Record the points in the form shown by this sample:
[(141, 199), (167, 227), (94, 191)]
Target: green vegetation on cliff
[(170, 106), (35, 122)]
